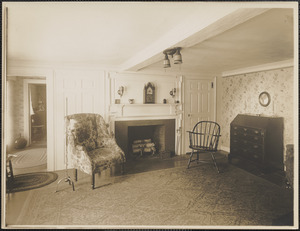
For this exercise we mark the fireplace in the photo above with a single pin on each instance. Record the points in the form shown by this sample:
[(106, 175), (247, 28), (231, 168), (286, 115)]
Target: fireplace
[(161, 132)]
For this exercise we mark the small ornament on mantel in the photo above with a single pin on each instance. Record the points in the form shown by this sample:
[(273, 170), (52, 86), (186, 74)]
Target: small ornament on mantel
[(149, 93)]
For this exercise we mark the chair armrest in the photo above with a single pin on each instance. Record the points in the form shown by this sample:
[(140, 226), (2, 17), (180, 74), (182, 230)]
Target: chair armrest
[(108, 142), (112, 144)]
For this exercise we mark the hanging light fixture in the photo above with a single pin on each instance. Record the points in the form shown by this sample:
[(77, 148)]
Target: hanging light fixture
[(177, 56), (166, 62)]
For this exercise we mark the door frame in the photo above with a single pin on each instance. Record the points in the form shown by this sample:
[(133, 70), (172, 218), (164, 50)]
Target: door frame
[(49, 75), (27, 128), (185, 90)]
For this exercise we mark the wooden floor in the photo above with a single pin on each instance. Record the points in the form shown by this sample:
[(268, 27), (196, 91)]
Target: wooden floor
[(15, 201)]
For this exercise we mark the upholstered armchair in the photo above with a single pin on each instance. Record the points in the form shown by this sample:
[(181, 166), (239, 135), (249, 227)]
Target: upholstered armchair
[(89, 146)]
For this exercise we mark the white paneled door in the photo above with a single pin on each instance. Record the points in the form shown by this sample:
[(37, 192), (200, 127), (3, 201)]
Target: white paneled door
[(199, 100), (77, 92)]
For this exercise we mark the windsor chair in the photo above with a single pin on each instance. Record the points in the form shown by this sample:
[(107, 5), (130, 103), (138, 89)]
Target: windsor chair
[(204, 138)]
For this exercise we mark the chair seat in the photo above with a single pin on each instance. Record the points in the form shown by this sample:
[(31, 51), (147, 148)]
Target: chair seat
[(200, 148), (104, 157)]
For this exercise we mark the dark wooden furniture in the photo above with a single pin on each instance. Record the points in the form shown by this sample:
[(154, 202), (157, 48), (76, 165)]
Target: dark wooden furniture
[(289, 163), (204, 138), (38, 125), (258, 139), (9, 173)]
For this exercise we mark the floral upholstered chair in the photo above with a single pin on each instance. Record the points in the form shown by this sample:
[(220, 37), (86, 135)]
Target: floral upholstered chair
[(89, 145)]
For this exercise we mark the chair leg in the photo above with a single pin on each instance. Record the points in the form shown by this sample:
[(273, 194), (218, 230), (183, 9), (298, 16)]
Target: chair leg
[(190, 159), (75, 174), (215, 162), (93, 180)]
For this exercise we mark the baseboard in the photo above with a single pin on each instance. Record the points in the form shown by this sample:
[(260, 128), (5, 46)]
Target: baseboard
[(226, 149)]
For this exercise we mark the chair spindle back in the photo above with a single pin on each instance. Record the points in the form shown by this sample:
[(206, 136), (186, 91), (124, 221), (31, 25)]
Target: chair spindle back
[(205, 135)]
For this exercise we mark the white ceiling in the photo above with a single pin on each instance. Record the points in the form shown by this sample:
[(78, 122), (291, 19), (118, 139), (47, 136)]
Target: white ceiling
[(264, 39), (115, 34)]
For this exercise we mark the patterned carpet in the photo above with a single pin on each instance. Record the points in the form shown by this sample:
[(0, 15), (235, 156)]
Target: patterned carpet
[(171, 197)]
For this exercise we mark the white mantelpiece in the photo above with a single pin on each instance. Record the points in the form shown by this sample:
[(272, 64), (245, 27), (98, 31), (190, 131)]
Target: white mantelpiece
[(144, 110), (130, 112)]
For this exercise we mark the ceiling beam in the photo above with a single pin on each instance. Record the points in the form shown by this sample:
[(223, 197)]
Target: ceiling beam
[(191, 32)]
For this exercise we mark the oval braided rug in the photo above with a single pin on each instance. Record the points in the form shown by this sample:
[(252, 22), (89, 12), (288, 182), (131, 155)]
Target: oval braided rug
[(34, 180), (30, 158)]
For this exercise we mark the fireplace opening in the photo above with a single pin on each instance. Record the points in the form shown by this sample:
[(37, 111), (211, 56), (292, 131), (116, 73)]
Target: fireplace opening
[(151, 134), (146, 140)]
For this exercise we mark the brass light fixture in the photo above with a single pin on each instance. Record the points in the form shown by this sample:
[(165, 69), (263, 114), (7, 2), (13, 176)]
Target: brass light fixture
[(121, 91), (172, 52)]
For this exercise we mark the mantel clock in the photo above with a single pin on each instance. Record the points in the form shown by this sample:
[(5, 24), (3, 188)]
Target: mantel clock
[(149, 93)]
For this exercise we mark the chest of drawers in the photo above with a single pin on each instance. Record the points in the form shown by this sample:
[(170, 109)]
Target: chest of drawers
[(258, 139)]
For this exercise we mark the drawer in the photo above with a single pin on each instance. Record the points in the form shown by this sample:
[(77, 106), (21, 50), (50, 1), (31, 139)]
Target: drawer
[(245, 131), (252, 138), (247, 153), (234, 150), (239, 150), (247, 142), (257, 156), (255, 148), (256, 132), (256, 139)]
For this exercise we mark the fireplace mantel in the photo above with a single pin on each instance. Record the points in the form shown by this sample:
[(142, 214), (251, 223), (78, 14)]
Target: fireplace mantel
[(142, 110), (138, 112), (133, 84)]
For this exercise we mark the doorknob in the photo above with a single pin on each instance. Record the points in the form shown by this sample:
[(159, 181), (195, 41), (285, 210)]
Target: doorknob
[(189, 115)]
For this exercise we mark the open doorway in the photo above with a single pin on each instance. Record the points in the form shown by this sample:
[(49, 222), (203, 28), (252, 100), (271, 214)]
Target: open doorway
[(27, 121), (38, 115)]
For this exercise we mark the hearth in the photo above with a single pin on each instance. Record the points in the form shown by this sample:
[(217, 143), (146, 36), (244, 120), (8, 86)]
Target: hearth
[(138, 137)]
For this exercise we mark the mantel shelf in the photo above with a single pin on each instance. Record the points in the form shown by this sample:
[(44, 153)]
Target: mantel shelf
[(147, 104), (148, 110)]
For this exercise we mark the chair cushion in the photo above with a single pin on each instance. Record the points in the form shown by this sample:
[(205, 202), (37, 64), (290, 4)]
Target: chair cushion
[(104, 157)]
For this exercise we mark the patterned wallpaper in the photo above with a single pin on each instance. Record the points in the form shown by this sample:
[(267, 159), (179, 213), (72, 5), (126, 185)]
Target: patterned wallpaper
[(240, 96)]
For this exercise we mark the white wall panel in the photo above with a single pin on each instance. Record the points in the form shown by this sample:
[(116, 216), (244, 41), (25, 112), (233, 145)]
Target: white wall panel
[(76, 91)]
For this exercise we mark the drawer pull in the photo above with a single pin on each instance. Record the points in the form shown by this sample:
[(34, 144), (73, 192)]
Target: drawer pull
[(255, 137), (245, 129), (255, 146), (256, 131)]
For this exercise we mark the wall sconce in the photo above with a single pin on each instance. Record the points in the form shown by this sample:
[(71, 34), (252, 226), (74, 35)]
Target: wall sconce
[(121, 91), (173, 92), (177, 56)]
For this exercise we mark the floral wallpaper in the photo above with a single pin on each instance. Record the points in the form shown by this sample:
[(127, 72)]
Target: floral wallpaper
[(240, 93)]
